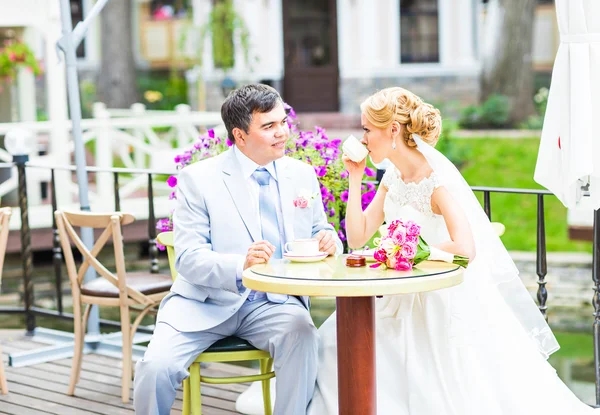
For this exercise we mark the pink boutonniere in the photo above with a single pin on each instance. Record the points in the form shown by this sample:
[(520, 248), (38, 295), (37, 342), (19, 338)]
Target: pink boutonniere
[(304, 199)]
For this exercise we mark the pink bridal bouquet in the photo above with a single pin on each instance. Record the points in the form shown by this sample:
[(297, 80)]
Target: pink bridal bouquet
[(401, 247)]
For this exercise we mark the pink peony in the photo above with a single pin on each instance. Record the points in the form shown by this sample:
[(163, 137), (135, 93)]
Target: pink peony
[(409, 250), (412, 239), (412, 228), (399, 236)]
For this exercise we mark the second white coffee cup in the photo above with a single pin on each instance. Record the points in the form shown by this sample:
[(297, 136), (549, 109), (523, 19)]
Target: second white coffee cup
[(302, 247)]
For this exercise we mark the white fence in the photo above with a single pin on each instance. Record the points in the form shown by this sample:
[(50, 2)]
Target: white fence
[(132, 138)]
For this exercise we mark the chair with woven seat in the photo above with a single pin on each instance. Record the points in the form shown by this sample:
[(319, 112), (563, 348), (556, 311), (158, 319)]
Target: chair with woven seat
[(230, 349), (4, 218), (130, 291)]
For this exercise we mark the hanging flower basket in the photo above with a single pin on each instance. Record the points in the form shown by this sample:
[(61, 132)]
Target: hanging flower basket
[(15, 55)]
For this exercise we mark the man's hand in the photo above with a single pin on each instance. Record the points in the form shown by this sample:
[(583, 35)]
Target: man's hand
[(326, 242), (259, 253)]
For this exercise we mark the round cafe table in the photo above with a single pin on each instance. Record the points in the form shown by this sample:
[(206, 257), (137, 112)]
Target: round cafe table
[(355, 290)]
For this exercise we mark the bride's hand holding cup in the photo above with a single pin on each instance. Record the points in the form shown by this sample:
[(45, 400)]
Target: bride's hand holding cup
[(354, 157)]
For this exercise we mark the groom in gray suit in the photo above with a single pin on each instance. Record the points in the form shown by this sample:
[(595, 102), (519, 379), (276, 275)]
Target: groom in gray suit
[(233, 211)]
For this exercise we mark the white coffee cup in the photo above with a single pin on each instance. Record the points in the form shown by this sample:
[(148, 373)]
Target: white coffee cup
[(302, 247), (354, 149)]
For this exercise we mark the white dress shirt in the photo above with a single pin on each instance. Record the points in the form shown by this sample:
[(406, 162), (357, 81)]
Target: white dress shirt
[(248, 167)]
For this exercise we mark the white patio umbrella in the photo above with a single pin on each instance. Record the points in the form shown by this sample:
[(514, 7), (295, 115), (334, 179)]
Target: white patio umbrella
[(569, 154)]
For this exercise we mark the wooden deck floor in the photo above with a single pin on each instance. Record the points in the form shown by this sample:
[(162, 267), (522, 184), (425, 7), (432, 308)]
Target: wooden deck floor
[(41, 389)]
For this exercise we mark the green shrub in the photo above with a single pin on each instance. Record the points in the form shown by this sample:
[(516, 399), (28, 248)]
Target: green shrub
[(447, 145), (88, 96), (162, 92), (493, 113)]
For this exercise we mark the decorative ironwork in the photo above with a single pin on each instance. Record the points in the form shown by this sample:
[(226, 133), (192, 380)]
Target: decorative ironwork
[(152, 249), (540, 264), (56, 249), (116, 188), (487, 204), (26, 253), (596, 300)]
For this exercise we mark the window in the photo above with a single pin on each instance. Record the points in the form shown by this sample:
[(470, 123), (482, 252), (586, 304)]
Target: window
[(76, 17), (169, 9), (419, 40)]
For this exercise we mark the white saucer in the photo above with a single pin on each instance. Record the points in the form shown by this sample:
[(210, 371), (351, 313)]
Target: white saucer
[(305, 258), (367, 254)]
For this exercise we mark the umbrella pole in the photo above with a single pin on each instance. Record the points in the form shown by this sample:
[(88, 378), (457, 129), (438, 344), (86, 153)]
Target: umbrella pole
[(69, 48), (596, 300)]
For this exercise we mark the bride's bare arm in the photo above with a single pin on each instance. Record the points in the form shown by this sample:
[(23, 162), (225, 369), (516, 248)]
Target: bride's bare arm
[(361, 226), (461, 238)]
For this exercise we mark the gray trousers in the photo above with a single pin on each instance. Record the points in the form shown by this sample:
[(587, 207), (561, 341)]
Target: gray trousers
[(285, 330)]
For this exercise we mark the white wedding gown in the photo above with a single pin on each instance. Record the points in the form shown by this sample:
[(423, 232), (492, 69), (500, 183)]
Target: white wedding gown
[(447, 352)]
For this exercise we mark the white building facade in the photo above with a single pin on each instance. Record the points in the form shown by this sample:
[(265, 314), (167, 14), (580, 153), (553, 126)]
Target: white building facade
[(328, 55)]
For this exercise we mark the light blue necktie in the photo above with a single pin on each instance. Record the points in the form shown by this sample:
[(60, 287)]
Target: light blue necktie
[(268, 212)]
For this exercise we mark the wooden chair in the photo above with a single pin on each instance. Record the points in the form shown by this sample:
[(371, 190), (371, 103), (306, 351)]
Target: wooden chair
[(4, 218), (230, 349), (130, 291)]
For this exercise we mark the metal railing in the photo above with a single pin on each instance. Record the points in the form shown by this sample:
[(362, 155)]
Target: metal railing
[(541, 254), (30, 310)]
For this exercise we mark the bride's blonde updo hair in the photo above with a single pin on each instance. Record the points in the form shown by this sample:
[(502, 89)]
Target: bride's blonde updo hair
[(398, 104)]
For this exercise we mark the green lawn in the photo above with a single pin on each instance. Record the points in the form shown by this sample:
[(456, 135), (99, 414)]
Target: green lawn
[(511, 163), (575, 345)]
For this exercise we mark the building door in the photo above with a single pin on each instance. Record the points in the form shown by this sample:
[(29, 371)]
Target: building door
[(311, 60)]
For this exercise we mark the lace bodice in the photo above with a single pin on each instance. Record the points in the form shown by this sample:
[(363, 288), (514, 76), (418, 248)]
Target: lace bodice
[(413, 201), (417, 195)]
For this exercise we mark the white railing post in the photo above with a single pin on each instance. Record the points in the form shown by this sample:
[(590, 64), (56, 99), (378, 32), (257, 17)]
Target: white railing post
[(183, 111), (104, 159), (139, 157)]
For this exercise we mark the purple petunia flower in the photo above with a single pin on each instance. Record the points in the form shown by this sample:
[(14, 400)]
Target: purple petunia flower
[(335, 143), (369, 172), (211, 133), (320, 170), (172, 181), (344, 196), (367, 198), (342, 235)]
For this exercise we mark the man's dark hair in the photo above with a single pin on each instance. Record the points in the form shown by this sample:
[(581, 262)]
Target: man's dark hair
[(239, 106)]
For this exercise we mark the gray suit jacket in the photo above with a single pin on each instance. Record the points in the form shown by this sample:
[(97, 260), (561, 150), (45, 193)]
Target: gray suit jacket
[(214, 224)]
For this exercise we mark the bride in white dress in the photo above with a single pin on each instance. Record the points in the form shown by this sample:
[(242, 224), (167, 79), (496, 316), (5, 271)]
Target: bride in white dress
[(477, 348)]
